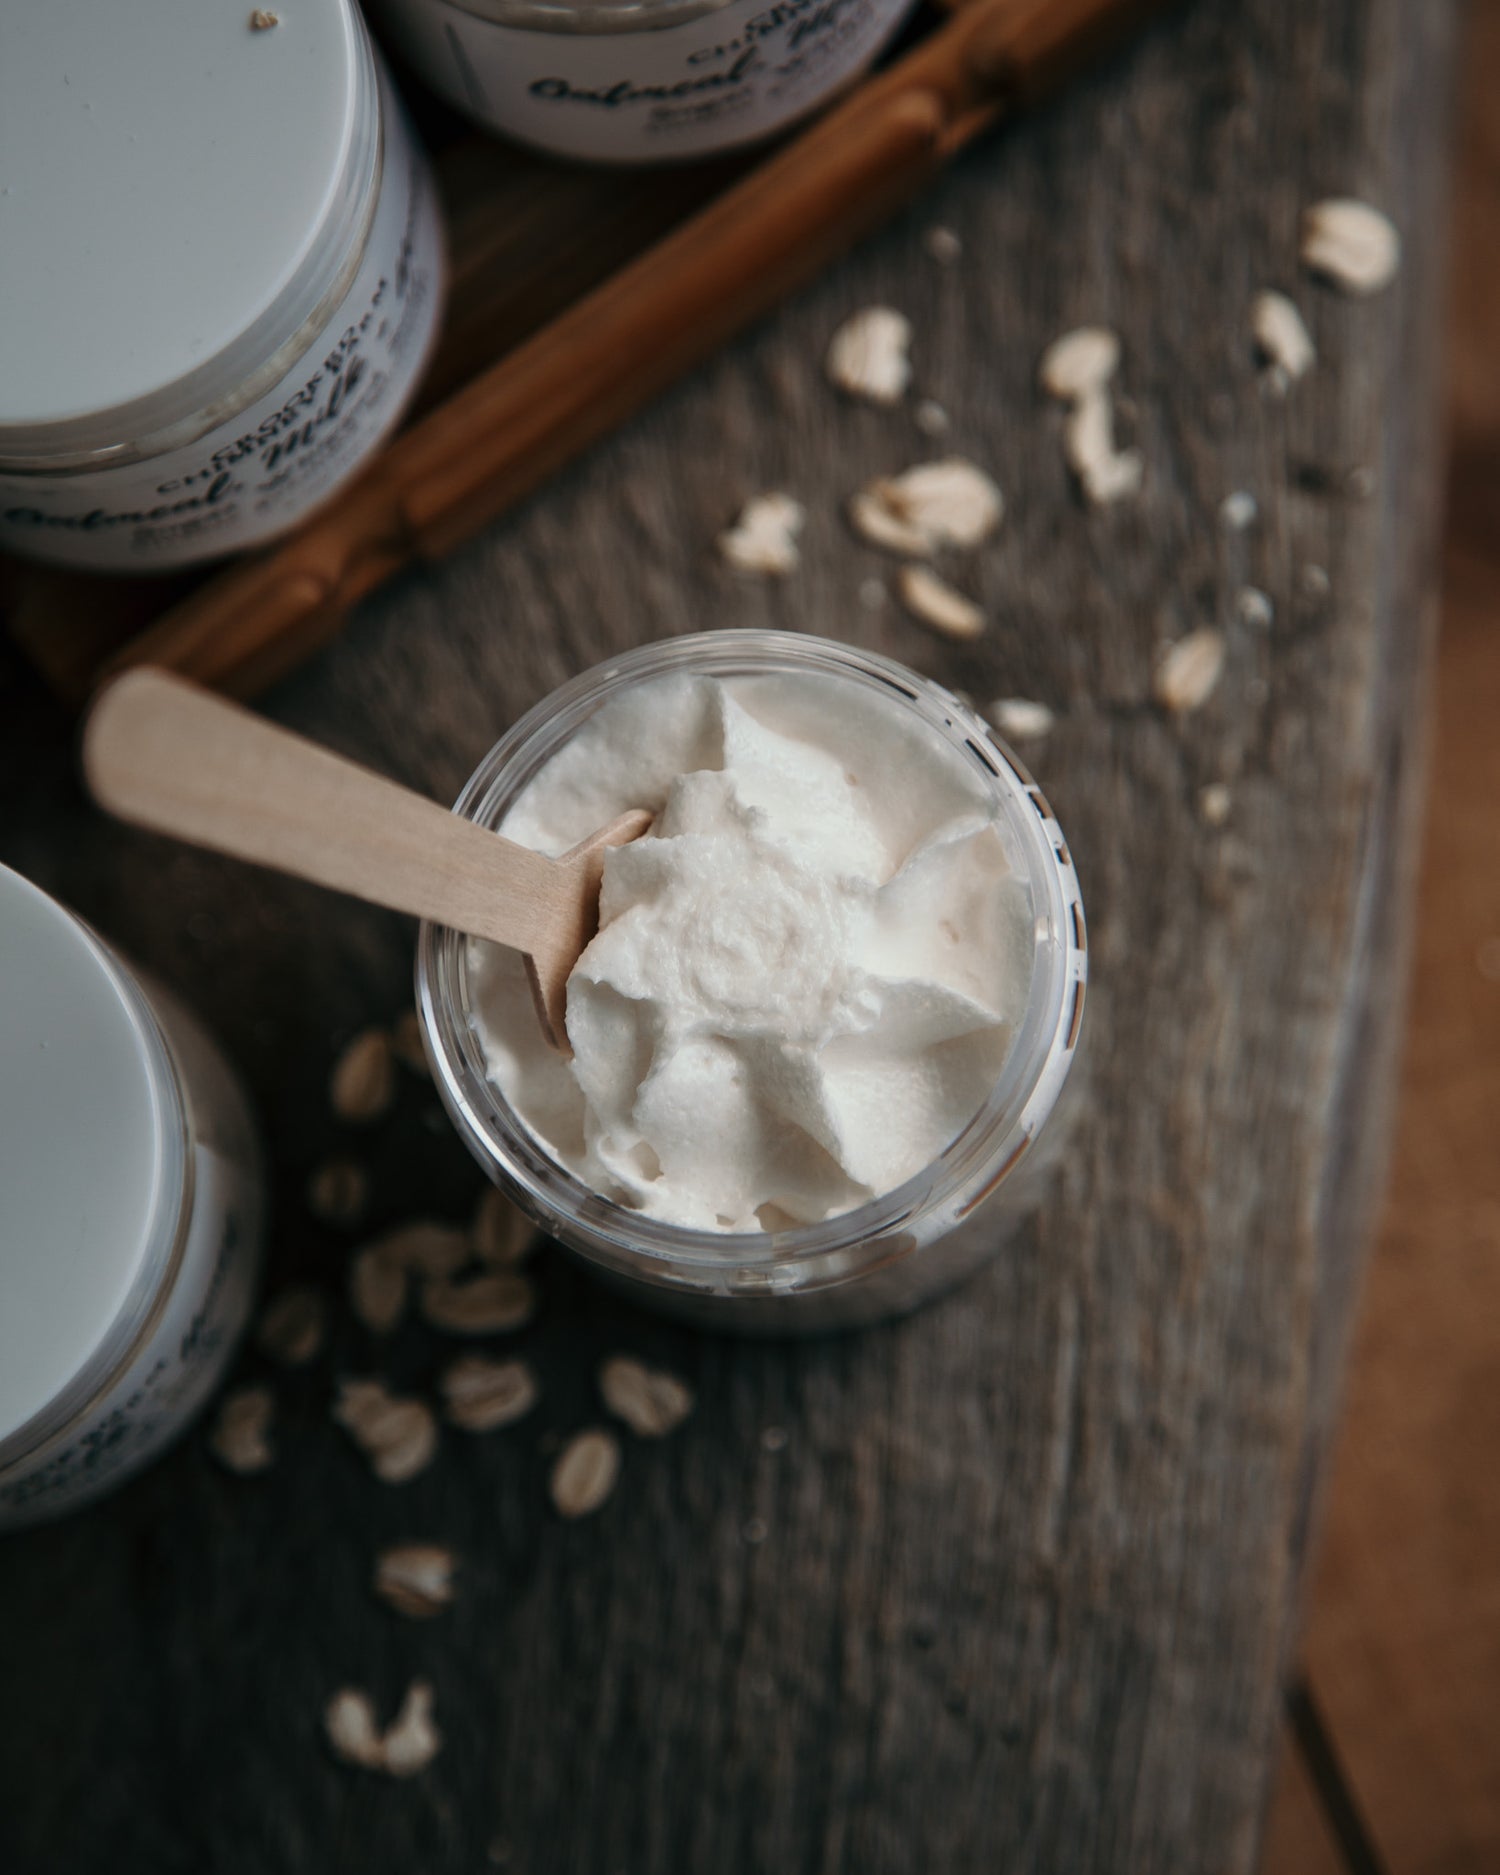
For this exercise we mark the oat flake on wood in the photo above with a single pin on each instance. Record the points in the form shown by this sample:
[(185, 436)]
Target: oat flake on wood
[(764, 538), (416, 1579), (867, 356), (936, 603), (1281, 337), (1021, 720), (480, 1305), (239, 1437), (1189, 671), (481, 1395), (338, 1192), (651, 1402), (398, 1436), (363, 1082), (409, 1746), (1350, 244), (585, 1473), (290, 1329)]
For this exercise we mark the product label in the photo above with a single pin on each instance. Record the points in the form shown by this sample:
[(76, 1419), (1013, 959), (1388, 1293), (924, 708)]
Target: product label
[(266, 466), (727, 77), (177, 1368)]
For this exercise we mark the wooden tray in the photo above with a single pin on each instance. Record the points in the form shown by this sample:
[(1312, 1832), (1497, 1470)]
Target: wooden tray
[(575, 296)]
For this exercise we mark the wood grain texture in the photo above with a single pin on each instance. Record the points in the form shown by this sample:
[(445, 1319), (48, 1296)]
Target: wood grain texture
[(1016, 1591)]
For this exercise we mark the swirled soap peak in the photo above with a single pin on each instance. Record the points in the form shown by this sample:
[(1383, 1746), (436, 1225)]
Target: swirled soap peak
[(806, 974)]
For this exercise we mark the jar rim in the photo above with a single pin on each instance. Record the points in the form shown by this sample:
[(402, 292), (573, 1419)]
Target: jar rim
[(961, 1175), (238, 372), (586, 16)]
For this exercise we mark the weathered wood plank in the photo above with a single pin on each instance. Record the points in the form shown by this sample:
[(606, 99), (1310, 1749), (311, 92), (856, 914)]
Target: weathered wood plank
[(1016, 1591)]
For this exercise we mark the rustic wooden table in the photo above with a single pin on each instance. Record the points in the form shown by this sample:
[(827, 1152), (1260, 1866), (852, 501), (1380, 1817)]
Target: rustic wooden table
[(1018, 1589)]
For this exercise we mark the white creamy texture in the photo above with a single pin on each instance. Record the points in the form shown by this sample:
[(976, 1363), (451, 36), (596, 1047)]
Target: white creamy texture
[(807, 972)]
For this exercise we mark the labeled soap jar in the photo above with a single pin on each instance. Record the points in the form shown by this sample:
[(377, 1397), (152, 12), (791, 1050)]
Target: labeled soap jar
[(894, 1251), (131, 1210), (639, 81), (221, 275)]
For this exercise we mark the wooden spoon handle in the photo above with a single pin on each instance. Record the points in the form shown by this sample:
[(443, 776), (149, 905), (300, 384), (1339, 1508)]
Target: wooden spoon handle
[(162, 753)]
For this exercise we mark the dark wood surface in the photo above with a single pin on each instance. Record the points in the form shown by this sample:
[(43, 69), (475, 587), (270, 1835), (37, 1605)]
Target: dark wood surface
[(1028, 1564)]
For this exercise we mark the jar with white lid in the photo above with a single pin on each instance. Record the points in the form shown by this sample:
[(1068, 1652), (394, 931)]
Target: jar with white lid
[(640, 81), (895, 1250), (131, 1212), (221, 274)]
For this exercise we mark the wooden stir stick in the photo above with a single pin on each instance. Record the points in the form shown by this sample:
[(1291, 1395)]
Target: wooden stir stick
[(164, 754)]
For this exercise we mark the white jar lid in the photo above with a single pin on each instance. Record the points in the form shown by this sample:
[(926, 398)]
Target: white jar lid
[(174, 190), (90, 1142)]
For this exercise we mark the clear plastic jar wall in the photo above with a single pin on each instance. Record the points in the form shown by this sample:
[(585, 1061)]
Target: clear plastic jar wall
[(891, 1253)]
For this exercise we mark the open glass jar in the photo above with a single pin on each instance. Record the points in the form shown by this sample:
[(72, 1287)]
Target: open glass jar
[(639, 81), (221, 279), (886, 1255), (131, 1208)]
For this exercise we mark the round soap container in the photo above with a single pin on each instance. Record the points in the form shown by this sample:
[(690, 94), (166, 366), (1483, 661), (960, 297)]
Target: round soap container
[(222, 274), (639, 81), (131, 1205), (891, 1252)]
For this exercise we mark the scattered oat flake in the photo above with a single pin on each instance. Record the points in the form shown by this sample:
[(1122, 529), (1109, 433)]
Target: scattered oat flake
[(290, 1329), (415, 1578), (1189, 670), (482, 1395), (650, 1402), (1281, 336), (867, 356), (481, 1305), (1079, 362), (502, 1234), (410, 1745), (238, 1439), (1238, 511), (1254, 608), (585, 1472), (1214, 803), (425, 1247), (377, 1291), (1351, 244), (406, 1042), (952, 502), (1105, 472), (261, 21), (935, 603), (870, 517), (764, 539), (349, 1720), (338, 1192), (1314, 582), (931, 418), (944, 246), (936, 504), (363, 1083), (1020, 718), (398, 1436), (413, 1740)]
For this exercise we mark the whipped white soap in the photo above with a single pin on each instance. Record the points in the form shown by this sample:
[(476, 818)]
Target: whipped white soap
[(807, 974)]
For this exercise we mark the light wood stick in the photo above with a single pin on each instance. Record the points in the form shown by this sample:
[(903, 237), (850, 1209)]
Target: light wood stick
[(165, 755)]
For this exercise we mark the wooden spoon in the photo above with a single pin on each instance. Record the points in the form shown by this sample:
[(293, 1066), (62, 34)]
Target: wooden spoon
[(162, 753)]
